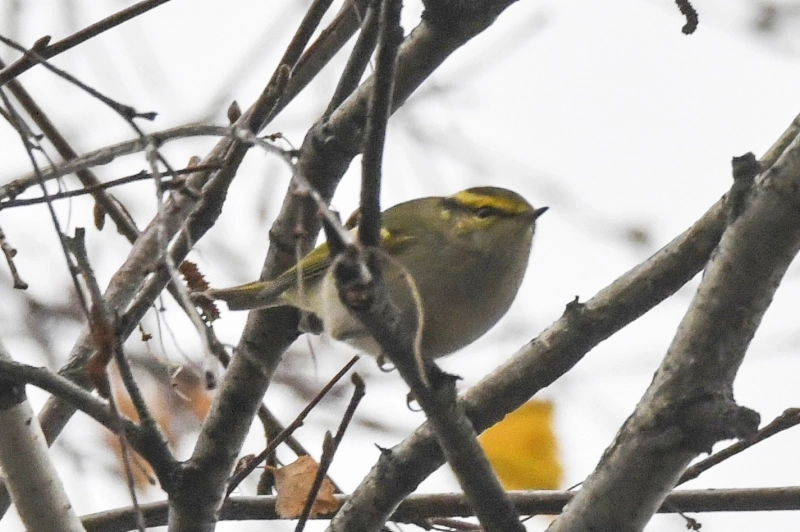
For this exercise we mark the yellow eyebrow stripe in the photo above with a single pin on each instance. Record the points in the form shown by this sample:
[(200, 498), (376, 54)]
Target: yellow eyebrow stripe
[(476, 201)]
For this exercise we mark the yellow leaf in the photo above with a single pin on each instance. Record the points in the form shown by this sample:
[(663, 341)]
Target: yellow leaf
[(293, 483), (523, 450)]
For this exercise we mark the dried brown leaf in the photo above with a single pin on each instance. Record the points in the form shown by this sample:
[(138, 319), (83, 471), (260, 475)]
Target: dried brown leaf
[(293, 483)]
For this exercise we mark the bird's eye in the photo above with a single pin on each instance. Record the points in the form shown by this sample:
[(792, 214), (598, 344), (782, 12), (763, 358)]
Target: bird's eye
[(485, 212)]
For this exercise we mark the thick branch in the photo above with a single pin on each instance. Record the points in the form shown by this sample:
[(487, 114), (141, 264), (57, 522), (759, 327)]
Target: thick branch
[(689, 406), (29, 473), (325, 155), (554, 352), (361, 288)]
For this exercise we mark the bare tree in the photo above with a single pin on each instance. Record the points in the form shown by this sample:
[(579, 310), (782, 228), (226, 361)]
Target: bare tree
[(743, 244)]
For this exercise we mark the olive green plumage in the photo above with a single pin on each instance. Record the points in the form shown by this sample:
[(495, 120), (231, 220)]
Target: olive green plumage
[(467, 254)]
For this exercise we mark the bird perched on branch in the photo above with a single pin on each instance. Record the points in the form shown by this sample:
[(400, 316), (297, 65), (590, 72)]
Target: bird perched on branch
[(465, 254)]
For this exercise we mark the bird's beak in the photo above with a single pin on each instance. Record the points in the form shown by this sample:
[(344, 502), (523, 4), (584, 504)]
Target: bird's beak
[(538, 212)]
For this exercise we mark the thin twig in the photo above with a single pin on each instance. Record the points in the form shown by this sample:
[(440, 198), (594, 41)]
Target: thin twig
[(543, 360), (305, 30), (321, 51), (391, 35), (120, 295), (257, 120), (436, 393), (328, 450), (358, 394), (146, 420), (108, 154), (272, 425), (52, 50), (788, 419), (125, 111), (141, 525), (357, 62), (128, 113), (10, 253), (21, 126), (101, 321), (107, 330), (109, 204), (240, 475), (102, 324), (166, 184), (180, 292), (329, 447), (273, 428)]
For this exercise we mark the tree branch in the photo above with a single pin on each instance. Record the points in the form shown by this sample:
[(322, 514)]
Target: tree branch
[(690, 406), (417, 508), (538, 364), (788, 419), (358, 273), (107, 154), (325, 155), (52, 50), (30, 475)]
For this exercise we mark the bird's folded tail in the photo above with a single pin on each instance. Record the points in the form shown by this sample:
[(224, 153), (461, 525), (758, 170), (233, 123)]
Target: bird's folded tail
[(249, 296)]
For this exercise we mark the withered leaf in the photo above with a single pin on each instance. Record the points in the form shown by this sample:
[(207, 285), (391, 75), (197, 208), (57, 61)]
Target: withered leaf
[(293, 483)]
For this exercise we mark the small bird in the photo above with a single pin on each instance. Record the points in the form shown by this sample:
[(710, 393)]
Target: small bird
[(466, 253)]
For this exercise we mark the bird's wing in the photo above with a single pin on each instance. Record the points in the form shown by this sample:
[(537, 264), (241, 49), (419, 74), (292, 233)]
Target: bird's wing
[(265, 294)]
